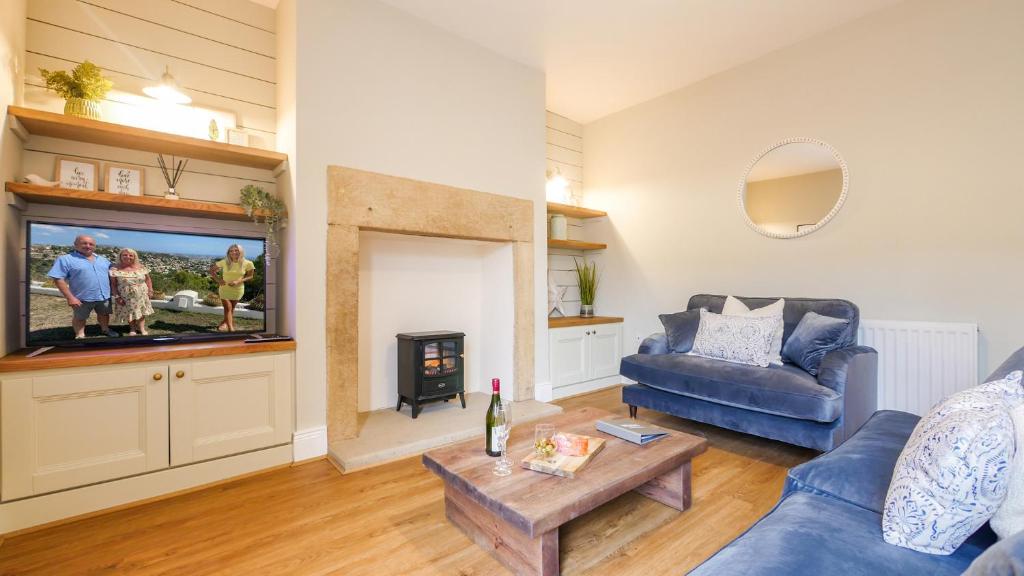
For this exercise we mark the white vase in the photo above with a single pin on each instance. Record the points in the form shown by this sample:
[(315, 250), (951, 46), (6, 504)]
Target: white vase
[(559, 229)]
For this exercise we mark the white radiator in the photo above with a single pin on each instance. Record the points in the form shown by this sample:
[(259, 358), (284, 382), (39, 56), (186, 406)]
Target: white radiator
[(920, 363)]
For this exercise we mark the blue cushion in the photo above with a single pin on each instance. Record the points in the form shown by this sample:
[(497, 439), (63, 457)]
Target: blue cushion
[(859, 470), (810, 534), (1005, 558), (782, 390), (792, 313), (680, 329), (814, 337)]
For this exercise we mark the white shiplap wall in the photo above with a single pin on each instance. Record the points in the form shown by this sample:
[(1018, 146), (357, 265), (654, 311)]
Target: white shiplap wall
[(565, 153), (222, 52)]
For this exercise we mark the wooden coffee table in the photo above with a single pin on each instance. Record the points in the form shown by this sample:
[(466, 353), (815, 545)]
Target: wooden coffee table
[(516, 517)]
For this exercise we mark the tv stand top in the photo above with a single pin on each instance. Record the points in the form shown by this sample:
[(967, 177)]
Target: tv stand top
[(20, 361)]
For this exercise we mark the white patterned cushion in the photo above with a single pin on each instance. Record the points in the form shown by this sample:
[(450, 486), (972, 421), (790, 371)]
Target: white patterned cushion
[(953, 473), (1009, 518), (741, 339), (734, 307)]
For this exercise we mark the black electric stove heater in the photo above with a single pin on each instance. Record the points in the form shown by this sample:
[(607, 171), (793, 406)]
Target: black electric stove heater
[(430, 368)]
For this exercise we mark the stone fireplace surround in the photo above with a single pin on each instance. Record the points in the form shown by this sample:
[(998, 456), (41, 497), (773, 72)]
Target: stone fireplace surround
[(359, 200)]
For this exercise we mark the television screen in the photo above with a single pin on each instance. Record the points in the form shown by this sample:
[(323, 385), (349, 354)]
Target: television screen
[(92, 284)]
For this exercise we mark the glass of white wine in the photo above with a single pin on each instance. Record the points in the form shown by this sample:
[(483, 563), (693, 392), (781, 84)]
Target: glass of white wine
[(503, 427)]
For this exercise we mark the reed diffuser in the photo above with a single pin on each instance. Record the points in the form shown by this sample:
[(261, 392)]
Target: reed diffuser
[(171, 174)]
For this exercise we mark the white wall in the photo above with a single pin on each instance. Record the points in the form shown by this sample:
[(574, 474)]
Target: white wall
[(416, 284), (222, 54), (12, 64), (382, 91), (924, 101)]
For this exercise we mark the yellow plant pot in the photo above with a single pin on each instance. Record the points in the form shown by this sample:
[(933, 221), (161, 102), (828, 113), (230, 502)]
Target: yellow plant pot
[(82, 108)]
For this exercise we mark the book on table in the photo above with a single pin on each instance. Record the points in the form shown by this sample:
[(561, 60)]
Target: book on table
[(632, 430)]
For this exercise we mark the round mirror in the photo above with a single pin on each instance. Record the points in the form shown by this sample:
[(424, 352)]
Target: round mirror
[(792, 188)]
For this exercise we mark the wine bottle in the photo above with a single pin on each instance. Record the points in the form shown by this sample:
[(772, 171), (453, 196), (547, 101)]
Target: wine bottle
[(492, 424)]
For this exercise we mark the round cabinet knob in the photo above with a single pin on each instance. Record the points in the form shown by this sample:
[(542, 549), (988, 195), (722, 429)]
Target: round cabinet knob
[(158, 376), (180, 373)]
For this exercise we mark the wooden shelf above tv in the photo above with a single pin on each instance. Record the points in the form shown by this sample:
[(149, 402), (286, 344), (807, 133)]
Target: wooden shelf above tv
[(575, 245), (574, 211), (96, 132), (107, 201)]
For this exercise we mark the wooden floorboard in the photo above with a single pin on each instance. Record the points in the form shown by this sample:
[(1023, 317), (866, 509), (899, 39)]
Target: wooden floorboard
[(309, 519)]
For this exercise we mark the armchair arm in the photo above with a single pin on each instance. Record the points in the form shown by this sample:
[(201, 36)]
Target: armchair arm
[(852, 372), (654, 344)]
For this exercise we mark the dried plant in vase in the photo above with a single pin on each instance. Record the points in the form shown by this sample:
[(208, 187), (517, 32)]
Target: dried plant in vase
[(82, 89), (259, 203)]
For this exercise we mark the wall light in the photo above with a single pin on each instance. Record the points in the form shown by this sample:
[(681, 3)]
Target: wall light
[(167, 90), (557, 187)]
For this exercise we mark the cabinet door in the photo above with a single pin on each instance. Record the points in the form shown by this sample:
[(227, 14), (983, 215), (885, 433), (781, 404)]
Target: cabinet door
[(605, 350), (226, 406), (77, 427), (568, 349)]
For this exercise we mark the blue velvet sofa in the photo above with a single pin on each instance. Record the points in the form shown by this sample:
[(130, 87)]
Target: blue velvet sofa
[(780, 402), (829, 518)]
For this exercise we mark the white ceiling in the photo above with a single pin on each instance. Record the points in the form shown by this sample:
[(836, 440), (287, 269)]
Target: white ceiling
[(601, 56), (792, 160)]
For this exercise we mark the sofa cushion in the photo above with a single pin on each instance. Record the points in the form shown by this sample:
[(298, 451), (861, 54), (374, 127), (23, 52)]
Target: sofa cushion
[(811, 534), (734, 307), (814, 337), (860, 469), (742, 339), (782, 390), (953, 473), (792, 313), (680, 329)]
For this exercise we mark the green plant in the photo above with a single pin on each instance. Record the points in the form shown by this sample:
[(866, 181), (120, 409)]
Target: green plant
[(586, 276), (86, 81), (259, 203)]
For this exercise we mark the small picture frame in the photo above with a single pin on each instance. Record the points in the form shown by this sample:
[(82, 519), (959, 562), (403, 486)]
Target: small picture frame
[(124, 179), (238, 137), (77, 173)]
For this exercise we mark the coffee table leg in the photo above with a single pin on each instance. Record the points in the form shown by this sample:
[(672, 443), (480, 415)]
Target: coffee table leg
[(510, 545), (671, 489)]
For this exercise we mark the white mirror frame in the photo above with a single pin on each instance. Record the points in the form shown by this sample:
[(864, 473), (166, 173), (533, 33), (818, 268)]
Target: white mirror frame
[(741, 191)]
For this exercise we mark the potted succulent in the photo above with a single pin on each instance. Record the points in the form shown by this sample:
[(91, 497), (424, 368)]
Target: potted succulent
[(586, 276), (259, 203), (82, 89)]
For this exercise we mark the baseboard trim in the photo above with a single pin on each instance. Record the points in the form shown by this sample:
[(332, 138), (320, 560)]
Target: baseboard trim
[(309, 444), (37, 512), (542, 392), (584, 387)]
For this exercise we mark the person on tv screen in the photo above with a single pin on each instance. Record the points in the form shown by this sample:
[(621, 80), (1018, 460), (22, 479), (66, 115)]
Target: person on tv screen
[(231, 274), (132, 289), (82, 276)]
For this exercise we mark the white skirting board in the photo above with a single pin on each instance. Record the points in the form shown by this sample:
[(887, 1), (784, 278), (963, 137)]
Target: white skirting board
[(309, 443), (542, 392), (28, 512), (583, 387)]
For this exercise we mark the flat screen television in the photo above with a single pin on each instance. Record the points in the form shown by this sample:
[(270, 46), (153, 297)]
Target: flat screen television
[(180, 287)]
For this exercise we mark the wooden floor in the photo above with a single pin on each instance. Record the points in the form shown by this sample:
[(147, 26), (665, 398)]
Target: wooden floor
[(309, 519)]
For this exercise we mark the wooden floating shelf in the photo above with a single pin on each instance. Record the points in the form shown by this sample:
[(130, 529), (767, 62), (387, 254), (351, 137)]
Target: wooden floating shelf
[(570, 321), (574, 211), (75, 358), (105, 133), (107, 201), (575, 245)]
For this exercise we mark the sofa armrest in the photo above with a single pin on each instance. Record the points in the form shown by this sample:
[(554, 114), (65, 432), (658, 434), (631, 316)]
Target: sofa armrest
[(852, 372), (654, 344)]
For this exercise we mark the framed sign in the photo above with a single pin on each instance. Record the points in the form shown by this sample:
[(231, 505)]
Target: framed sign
[(77, 173), (124, 179)]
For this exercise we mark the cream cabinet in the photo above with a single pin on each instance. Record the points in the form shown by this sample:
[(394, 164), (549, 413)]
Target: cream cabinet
[(227, 406), (76, 427), (584, 353), (72, 427)]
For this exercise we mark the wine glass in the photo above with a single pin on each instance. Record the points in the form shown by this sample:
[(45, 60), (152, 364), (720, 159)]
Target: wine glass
[(503, 427)]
